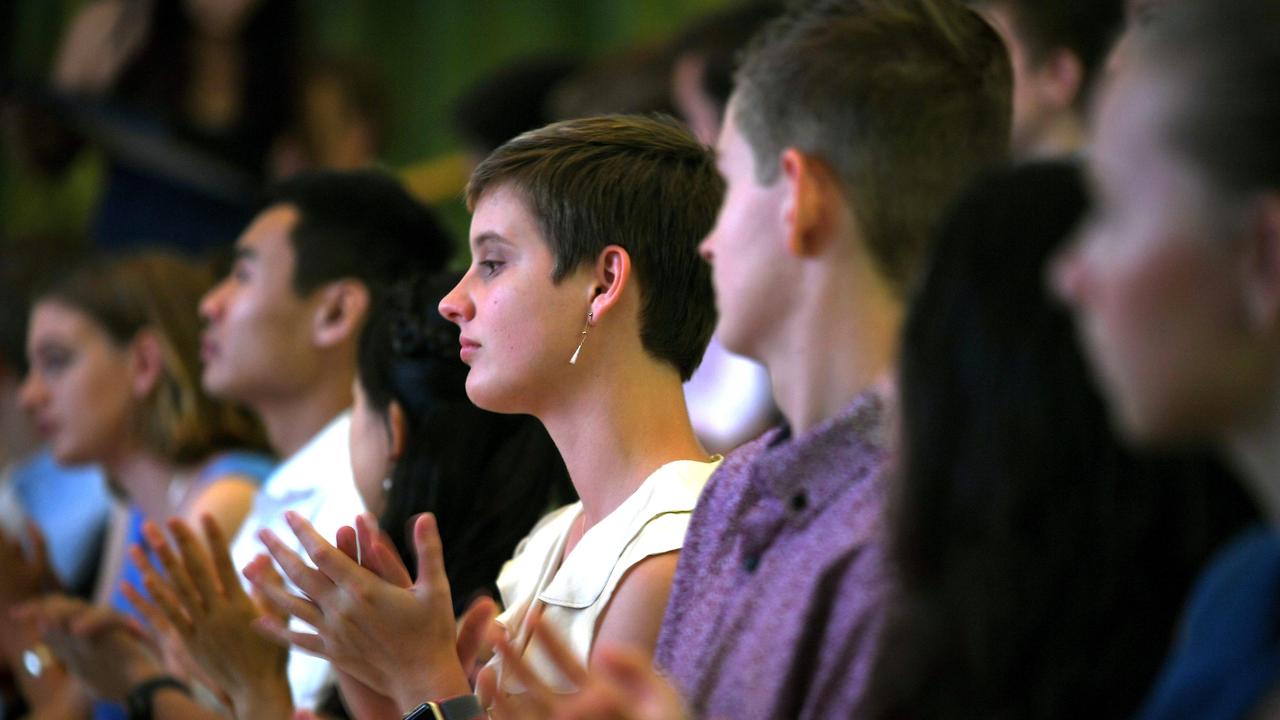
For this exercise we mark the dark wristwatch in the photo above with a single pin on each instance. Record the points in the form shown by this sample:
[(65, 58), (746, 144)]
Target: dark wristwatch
[(463, 707), (137, 704)]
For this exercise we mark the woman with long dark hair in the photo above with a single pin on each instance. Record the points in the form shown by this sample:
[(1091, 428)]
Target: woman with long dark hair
[(1040, 565)]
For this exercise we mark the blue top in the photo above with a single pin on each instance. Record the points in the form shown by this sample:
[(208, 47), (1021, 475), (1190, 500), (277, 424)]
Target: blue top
[(71, 505), (1227, 655), (252, 466)]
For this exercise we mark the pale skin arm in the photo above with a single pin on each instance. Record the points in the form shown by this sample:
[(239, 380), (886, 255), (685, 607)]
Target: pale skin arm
[(633, 616), (227, 499)]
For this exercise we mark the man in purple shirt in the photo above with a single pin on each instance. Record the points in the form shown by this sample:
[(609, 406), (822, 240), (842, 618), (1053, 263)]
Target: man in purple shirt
[(853, 124)]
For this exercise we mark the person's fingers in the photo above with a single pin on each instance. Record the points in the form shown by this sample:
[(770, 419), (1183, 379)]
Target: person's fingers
[(318, 587), (487, 686), (345, 540), (151, 612), (264, 573), (279, 633), (630, 670), (174, 614), (473, 631), (163, 596), (335, 565), (426, 540), (279, 601), (514, 663), (386, 563), (92, 621), (183, 588), (196, 559), (378, 553), (559, 653), (53, 611), (220, 554)]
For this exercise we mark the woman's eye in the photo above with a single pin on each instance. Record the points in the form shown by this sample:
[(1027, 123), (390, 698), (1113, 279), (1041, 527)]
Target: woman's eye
[(54, 362), (491, 267)]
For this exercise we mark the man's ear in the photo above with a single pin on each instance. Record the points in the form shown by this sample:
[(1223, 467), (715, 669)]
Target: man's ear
[(341, 307), (1059, 79), (146, 363), (611, 275), (806, 208), (1262, 269), (398, 427)]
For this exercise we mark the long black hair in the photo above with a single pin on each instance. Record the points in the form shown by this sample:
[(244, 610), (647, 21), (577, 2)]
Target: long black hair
[(487, 477), (1040, 566)]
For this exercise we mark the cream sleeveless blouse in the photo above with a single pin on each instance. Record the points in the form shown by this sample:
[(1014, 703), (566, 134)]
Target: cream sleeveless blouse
[(575, 590)]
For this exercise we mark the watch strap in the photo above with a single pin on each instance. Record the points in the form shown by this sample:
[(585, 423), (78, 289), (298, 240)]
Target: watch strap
[(138, 703), (462, 707)]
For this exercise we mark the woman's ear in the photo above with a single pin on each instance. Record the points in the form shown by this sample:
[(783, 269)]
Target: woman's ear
[(1263, 265), (398, 427), (612, 274), (146, 363), (341, 307)]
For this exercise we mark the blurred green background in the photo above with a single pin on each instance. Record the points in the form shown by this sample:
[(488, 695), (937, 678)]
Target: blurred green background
[(426, 50)]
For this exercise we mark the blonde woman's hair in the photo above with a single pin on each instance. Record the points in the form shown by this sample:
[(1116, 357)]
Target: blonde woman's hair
[(159, 292)]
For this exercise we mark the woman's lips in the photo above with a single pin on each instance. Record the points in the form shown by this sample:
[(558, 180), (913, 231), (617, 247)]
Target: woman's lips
[(467, 349)]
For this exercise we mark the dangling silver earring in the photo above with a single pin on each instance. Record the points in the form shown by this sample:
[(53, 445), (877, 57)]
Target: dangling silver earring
[(386, 484), (582, 338)]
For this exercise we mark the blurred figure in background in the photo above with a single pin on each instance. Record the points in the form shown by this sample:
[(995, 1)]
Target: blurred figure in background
[(704, 57), (730, 400), (511, 100), (70, 506), (1058, 49), (342, 121), (32, 485), (1176, 284), (186, 98), (1039, 566), (115, 379)]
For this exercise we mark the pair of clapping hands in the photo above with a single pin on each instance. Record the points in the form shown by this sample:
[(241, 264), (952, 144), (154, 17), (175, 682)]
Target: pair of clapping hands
[(395, 642), (200, 627)]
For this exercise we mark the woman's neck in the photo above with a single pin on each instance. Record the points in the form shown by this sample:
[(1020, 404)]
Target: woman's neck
[(615, 431), (145, 480)]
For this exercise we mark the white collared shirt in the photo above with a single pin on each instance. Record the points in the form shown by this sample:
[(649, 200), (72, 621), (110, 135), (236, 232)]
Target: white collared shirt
[(575, 590), (316, 483)]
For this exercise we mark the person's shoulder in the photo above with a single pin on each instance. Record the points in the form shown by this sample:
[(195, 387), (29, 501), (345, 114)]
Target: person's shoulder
[(243, 465), (730, 478)]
